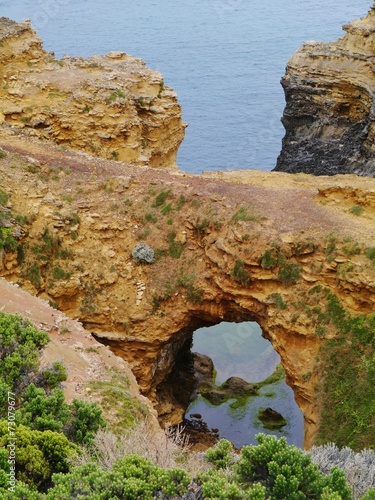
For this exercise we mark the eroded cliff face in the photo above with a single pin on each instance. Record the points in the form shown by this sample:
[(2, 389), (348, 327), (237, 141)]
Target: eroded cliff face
[(111, 106), (329, 115), (233, 246)]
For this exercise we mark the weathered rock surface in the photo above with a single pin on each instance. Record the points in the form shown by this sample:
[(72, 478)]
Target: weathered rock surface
[(329, 115), (246, 233), (111, 106)]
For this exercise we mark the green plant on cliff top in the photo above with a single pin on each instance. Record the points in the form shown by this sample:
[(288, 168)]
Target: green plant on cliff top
[(240, 274), (356, 210), (370, 254), (271, 258), (289, 273), (243, 214), (4, 197)]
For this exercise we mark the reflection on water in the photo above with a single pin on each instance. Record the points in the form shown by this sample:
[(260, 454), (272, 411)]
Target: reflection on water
[(237, 350), (240, 350)]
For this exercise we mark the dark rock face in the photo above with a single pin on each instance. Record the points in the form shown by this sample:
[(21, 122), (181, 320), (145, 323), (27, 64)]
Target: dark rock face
[(329, 116)]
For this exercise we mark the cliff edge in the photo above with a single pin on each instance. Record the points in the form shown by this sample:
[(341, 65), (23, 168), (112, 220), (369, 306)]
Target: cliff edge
[(329, 115), (111, 106)]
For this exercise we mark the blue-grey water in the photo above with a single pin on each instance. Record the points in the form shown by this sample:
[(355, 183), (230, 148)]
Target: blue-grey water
[(240, 350), (224, 58)]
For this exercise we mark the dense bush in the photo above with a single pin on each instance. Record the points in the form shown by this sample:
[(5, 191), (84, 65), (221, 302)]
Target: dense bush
[(20, 345), (38, 454), (271, 470), (240, 274), (84, 421), (143, 254), (289, 273), (131, 478), (41, 412)]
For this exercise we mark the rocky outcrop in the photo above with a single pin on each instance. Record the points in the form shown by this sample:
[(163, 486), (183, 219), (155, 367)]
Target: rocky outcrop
[(111, 106), (233, 246), (329, 115)]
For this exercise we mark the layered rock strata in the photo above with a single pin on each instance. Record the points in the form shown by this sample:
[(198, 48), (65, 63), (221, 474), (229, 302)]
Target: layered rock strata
[(329, 115), (233, 246), (111, 106)]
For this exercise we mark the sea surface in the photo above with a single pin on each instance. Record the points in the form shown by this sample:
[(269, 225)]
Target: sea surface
[(238, 349), (224, 58)]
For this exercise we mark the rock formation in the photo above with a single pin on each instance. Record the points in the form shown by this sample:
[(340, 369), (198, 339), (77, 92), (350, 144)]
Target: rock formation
[(294, 253), (329, 115), (111, 106), (217, 258)]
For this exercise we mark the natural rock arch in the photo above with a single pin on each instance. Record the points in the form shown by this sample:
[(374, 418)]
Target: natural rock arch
[(234, 247)]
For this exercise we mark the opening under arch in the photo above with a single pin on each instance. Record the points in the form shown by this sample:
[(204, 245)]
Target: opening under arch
[(239, 350)]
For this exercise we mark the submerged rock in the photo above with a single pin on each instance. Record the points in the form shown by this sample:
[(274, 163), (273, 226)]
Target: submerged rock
[(238, 387), (271, 419)]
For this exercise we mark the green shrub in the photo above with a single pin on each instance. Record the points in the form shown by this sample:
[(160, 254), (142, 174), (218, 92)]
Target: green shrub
[(2, 155), (221, 454), (278, 301), (131, 478), (52, 376), (270, 259), (150, 217), (41, 412), (370, 254), (161, 198), (240, 274), (7, 241), (33, 274), (356, 210), (270, 470), (201, 226), (289, 273), (59, 273), (193, 294), (175, 247), (242, 215), (331, 240), (38, 454), (20, 345), (85, 420), (4, 197), (114, 95)]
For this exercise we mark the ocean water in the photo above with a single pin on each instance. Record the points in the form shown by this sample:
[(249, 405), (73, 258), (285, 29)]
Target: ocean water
[(238, 349), (224, 58)]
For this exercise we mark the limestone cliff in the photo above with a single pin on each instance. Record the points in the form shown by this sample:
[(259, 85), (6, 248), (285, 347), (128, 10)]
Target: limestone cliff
[(111, 106), (329, 115), (230, 246)]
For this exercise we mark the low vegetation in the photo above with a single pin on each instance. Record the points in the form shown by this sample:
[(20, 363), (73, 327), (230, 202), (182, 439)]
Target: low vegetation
[(240, 274), (64, 451), (346, 361)]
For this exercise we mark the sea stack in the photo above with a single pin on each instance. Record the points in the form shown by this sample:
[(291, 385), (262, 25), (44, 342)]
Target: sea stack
[(329, 116)]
